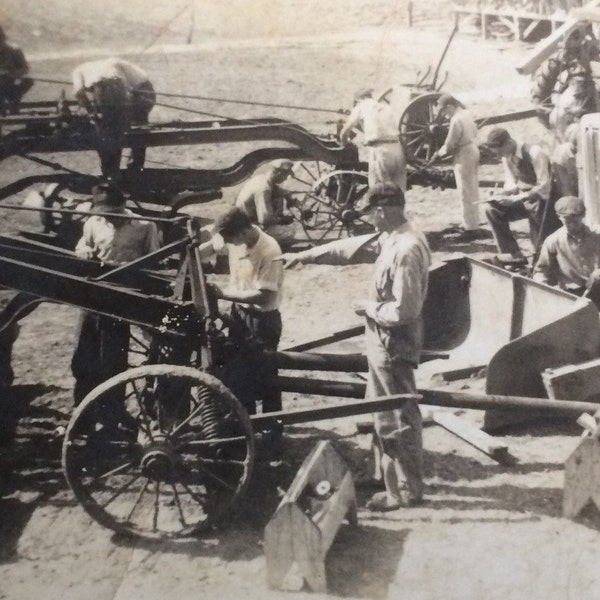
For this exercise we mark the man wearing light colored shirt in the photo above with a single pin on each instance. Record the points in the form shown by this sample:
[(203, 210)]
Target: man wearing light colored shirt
[(261, 198), (570, 257), (255, 290), (103, 342), (393, 334), (387, 163), (526, 194), (461, 143), (123, 95)]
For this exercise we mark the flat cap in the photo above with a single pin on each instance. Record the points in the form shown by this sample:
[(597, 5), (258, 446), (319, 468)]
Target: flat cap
[(283, 165), (447, 100), (381, 194), (569, 205), (497, 137)]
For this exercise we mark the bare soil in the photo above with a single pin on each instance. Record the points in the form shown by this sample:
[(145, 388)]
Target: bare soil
[(487, 531)]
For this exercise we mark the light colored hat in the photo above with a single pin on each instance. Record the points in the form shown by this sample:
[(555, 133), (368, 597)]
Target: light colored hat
[(569, 205)]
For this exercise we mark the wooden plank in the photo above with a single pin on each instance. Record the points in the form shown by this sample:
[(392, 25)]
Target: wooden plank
[(582, 478), (550, 45), (473, 436)]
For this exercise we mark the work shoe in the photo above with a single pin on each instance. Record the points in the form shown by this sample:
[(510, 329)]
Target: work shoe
[(380, 502), (506, 258)]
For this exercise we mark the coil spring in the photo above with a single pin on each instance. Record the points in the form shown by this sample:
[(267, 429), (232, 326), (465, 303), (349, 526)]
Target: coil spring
[(208, 414)]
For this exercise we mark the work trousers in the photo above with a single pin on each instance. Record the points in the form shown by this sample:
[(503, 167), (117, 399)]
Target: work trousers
[(398, 432), (387, 164), (466, 173), (111, 101), (251, 375), (539, 212), (11, 92), (101, 352), (142, 102)]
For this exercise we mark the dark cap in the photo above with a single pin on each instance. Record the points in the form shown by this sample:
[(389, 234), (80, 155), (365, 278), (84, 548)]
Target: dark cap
[(447, 100), (381, 194), (497, 137), (107, 198), (569, 205), (363, 93)]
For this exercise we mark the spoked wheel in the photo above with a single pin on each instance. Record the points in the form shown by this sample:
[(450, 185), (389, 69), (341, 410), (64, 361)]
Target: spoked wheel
[(423, 129), (159, 451), (325, 201)]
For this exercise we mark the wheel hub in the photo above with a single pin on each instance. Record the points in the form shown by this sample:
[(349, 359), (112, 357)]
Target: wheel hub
[(158, 460)]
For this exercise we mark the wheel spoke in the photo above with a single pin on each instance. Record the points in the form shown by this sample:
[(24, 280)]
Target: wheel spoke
[(156, 507), (120, 490), (216, 478), (211, 442), (138, 499), (115, 471), (143, 413), (178, 504), (183, 423)]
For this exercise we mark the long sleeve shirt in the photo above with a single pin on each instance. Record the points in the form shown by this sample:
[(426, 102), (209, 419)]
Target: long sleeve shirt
[(118, 240), (462, 131), (530, 184), (567, 260)]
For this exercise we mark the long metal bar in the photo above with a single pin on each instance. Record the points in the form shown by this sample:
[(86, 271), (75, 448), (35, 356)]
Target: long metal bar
[(322, 362), (338, 336), (425, 397), (99, 297)]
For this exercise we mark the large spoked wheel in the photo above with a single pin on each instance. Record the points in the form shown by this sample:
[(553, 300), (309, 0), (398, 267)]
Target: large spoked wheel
[(423, 129), (324, 202), (159, 451)]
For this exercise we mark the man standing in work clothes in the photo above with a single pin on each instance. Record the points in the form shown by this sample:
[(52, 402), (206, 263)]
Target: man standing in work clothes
[(103, 342), (394, 332), (387, 163), (461, 143), (526, 195), (117, 94), (255, 290), (14, 82)]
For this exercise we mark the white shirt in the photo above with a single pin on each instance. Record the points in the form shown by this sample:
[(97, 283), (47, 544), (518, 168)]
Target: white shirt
[(255, 268), (462, 131), (375, 119), (121, 243), (89, 73)]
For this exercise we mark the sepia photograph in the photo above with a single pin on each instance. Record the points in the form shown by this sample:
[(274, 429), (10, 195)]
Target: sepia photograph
[(300, 299)]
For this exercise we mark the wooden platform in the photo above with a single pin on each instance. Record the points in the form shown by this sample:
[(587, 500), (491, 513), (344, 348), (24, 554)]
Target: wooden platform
[(521, 24)]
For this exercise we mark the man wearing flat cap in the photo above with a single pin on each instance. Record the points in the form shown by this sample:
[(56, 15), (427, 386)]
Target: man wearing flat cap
[(461, 144), (263, 199), (112, 237), (526, 194), (570, 257), (379, 126), (393, 336)]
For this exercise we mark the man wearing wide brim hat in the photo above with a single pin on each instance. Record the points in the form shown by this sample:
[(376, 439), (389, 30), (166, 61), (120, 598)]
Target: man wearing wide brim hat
[(110, 237), (570, 257), (379, 127), (264, 199)]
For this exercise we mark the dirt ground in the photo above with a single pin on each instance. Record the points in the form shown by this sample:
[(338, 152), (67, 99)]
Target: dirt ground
[(486, 532)]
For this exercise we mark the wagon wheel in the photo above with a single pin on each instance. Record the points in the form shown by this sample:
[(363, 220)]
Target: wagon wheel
[(159, 451), (324, 201), (423, 129)]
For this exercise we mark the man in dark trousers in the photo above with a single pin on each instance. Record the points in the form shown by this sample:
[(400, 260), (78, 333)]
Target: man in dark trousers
[(14, 82), (527, 194), (103, 342)]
